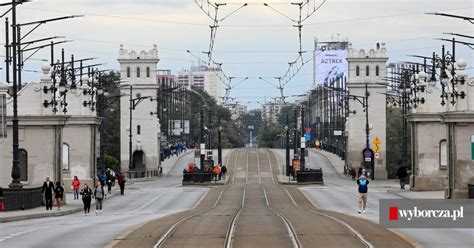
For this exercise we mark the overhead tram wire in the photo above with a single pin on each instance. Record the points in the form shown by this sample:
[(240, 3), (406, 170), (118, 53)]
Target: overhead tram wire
[(295, 66), (239, 25)]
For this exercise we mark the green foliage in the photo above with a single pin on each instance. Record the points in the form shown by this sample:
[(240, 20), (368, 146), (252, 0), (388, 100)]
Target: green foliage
[(395, 141), (232, 131), (111, 162), (271, 136), (287, 110), (111, 115)]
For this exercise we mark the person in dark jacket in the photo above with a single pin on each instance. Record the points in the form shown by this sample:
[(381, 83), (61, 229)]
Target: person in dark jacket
[(121, 181), (363, 189), (48, 190), (86, 193), (102, 177), (58, 194), (110, 179), (224, 171), (402, 175)]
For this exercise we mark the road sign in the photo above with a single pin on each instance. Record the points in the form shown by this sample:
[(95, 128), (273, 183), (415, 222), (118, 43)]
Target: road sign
[(307, 136), (367, 155), (308, 130), (203, 149), (303, 142), (377, 143)]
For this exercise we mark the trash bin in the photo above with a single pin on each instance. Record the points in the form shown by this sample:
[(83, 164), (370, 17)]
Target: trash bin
[(470, 190)]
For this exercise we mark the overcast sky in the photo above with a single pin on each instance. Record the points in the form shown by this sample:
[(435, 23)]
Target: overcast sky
[(255, 41)]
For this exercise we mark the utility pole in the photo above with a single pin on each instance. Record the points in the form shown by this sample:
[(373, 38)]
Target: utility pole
[(209, 138), (16, 173), (219, 148), (201, 141), (295, 138), (302, 155), (287, 157), (130, 135)]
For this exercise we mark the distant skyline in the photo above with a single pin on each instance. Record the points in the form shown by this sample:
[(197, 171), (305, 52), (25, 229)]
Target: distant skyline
[(254, 42)]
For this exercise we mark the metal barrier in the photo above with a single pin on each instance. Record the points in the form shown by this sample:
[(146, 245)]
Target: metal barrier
[(21, 199), (310, 176), (196, 177), (142, 174)]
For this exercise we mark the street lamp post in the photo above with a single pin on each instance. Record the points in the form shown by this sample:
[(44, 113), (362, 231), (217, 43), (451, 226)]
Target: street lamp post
[(302, 155), (219, 148), (287, 153), (295, 138), (15, 167), (133, 104), (201, 141)]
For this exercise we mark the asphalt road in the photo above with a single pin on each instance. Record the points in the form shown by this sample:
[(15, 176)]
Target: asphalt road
[(339, 195), (253, 210)]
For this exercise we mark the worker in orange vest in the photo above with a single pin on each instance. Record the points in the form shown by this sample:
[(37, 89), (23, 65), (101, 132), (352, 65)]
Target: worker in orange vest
[(217, 172)]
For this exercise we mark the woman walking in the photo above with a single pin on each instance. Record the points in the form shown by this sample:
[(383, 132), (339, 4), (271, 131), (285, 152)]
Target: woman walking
[(76, 184), (121, 182), (58, 194), (86, 193), (99, 195)]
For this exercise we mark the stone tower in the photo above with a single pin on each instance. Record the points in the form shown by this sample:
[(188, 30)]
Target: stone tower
[(138, 87), (367, 68)]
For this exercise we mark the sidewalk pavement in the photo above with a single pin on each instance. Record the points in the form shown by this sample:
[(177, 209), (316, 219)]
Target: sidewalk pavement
[(169, 163), (72, 206), (408, 194)]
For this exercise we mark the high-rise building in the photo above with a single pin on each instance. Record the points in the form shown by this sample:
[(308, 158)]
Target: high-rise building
[(204, 78), (237, 110), (270, 112)]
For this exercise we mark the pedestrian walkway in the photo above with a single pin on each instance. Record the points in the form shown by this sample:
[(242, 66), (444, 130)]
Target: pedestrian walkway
[(71, 206), (408, 194), (168, 164)]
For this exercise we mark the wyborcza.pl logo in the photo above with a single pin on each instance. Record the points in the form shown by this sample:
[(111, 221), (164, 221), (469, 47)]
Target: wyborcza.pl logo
[(403, 213), (410, 214)]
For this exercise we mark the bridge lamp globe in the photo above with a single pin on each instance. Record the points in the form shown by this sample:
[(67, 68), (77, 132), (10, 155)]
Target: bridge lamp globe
[(422, 75)]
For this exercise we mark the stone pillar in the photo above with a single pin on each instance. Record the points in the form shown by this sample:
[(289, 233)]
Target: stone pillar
[(367, 69)]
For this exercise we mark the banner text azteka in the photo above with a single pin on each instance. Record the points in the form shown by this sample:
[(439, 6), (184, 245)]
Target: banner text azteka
[(331, 64), (404, 213)]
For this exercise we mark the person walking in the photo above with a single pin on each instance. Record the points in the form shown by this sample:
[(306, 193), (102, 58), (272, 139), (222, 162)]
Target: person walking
[(109, 181), (99, 195), (102, 177), (360, 171), (58, 194), (86, 193), (363, 189), (121, 181), (48, 190), (402, 175), (224, 171), (76, 184)]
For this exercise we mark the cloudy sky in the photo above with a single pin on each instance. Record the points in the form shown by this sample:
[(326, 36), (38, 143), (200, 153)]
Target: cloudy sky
[(254, 42)]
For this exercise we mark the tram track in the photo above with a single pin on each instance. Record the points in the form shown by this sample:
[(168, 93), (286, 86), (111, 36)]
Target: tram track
[(351, 229), (166, 236), (254, 210)]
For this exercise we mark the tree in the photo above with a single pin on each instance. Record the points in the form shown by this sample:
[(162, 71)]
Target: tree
[(286, 110), (395, 140), (231, 131), (271, 136)]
